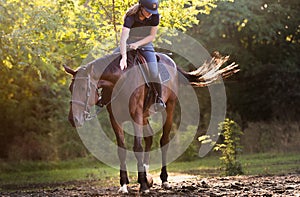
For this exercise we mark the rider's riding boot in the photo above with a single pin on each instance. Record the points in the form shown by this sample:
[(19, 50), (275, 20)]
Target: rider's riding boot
[(159, 103)]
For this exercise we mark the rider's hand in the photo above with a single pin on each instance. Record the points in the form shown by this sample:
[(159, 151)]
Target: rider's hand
[(133, 46), (123, 63)]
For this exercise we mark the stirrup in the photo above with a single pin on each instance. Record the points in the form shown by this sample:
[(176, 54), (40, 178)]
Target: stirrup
[(99, 103), (159, 105)]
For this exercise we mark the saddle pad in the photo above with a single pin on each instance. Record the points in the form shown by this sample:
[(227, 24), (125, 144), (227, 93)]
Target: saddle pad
[(163, 72)]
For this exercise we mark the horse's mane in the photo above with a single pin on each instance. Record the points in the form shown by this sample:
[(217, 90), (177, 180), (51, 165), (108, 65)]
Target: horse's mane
[(109, 63)]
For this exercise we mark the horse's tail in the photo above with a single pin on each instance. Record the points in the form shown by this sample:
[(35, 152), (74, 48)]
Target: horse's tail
[(210, 72)]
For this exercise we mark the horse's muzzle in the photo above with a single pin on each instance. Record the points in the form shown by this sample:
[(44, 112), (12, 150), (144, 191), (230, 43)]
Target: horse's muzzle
[(75, 121)]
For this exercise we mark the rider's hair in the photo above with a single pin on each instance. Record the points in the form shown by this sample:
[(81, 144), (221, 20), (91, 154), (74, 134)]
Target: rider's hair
[(133, 10)]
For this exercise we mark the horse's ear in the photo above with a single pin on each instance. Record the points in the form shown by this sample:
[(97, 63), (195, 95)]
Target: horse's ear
[(69, 70)]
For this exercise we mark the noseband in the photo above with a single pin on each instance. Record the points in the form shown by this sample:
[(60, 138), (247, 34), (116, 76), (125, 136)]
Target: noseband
[(86, 112)]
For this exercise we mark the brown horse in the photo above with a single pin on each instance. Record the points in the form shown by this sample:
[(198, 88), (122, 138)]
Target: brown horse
[(128, 97)]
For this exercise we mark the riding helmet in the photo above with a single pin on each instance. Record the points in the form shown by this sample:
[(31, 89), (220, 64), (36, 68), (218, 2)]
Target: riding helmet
[(150, 6)]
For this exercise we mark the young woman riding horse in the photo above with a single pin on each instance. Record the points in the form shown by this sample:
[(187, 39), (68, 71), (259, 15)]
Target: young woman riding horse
[(139, 30), (128, 104)]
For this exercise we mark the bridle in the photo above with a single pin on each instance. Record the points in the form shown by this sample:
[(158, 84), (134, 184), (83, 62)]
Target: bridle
[(87, 114)]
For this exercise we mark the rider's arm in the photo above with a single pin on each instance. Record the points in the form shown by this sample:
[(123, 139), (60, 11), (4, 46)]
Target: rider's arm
[(147, 39), (124, 37)]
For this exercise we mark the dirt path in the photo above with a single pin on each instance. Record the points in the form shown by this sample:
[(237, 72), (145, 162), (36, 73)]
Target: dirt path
[(182, 185)]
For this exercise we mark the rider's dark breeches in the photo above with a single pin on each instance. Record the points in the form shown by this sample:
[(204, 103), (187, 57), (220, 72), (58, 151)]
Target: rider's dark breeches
[(149, 54), (150, 57)]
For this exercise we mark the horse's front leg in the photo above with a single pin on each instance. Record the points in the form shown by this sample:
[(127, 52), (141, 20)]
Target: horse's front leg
[(121, 153), (139, 151), (148, 138), (164, 142)]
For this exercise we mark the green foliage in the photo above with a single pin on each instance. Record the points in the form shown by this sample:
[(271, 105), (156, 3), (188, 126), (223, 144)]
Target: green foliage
[(191, 153), (266, 50), (35, 42), (230, 147), (180, 14), (36, 38), (275, 136)]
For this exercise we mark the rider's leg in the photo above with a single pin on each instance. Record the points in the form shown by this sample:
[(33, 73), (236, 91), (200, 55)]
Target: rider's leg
[(150, 57)]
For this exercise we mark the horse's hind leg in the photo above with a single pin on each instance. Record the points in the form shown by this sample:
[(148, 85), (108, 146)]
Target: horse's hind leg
[(164, 142), (121, 153)]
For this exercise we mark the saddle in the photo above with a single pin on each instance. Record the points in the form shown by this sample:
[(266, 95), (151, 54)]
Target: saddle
[(141, 62), (136, 59)]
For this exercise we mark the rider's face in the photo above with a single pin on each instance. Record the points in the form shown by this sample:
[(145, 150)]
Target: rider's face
[(145, 13)]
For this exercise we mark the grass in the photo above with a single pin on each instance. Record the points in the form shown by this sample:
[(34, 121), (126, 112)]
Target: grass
[(83, 169), (89, 169), (255, 164), (264, 164)]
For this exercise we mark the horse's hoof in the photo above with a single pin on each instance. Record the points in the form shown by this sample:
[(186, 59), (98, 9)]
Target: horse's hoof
[(147, 191), (166, 185), (123, 189), (144, 188), (149, 180)]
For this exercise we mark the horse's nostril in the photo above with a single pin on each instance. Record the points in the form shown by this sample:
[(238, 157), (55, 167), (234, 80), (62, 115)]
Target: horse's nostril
[(74, 121), (77, 122)]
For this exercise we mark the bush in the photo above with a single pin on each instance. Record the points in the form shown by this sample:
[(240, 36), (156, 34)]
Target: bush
[(31, 146), (271, 136), (229, 147), (191, 153)]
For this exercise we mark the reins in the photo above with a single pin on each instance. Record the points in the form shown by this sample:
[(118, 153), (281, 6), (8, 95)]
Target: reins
[(87, 114)]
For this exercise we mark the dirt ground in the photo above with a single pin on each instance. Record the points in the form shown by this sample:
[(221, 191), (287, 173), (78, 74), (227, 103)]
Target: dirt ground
[(182, 185)]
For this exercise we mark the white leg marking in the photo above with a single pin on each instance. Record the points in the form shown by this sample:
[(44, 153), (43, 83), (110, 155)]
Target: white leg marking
[(166, 185), (123, 189)]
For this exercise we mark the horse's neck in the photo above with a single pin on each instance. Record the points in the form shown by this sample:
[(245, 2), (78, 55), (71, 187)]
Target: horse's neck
[(109, 65), (106, 66)]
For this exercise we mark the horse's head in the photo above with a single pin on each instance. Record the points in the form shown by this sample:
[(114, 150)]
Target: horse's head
[(84, 94)]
